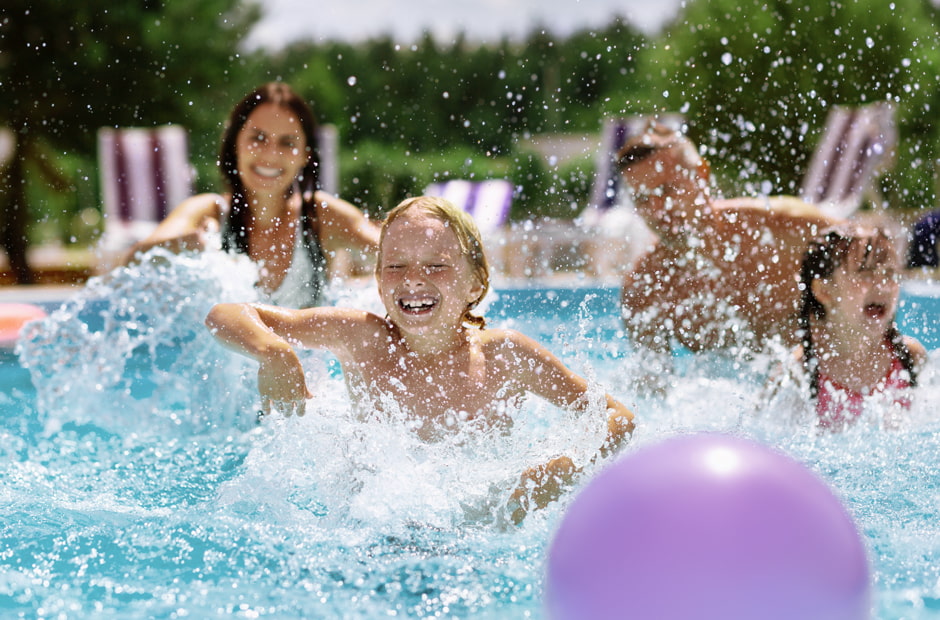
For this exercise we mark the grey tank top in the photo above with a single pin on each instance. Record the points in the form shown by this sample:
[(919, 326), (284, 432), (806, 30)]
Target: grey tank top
[(302, 286), (305, 280)]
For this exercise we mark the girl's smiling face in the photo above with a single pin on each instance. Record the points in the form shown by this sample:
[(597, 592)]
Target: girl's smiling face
[(271, 149), (425, 281)]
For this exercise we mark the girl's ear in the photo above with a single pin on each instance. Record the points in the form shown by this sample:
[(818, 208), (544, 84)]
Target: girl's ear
[(820, 290), (475, 292)]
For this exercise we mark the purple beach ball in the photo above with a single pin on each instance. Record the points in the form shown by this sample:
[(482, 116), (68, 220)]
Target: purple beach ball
[(707, 526)]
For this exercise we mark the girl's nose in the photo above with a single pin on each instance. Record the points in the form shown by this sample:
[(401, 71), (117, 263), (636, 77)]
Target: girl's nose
[(413, 276)]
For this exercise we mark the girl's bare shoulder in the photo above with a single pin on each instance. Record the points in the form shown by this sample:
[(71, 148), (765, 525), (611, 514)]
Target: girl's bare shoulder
[(510, 342), (917, 349)]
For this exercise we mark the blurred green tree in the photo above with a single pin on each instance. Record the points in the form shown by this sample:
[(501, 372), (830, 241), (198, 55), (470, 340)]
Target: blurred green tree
[(68, 68), (756, 79)]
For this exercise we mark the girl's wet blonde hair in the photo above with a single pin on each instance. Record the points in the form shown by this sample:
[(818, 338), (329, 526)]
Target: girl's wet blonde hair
[(468, 236)]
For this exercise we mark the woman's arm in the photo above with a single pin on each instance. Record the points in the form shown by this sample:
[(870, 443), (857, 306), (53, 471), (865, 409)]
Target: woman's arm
[(344, 227), (185, 227)]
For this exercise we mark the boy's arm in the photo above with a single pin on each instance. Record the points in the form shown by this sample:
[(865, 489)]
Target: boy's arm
[(541, 485), (541, 373), (269, 333)]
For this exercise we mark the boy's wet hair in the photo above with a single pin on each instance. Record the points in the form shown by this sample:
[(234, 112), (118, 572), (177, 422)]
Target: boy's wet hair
[(654, 138), (826, 253), (468, 236)]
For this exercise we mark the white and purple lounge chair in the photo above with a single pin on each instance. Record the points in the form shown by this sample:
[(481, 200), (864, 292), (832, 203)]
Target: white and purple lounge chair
[(144, 172), (857, 146), (488, 202)]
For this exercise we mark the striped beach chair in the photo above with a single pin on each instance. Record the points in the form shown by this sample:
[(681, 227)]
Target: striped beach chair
[(856, 147), (144, 173)]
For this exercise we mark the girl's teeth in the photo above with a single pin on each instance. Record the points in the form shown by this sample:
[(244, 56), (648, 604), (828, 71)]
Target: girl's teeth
[(415, 304)]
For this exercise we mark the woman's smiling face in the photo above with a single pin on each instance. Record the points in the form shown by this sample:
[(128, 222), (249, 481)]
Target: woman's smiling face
[(271, 149), (424, 280)]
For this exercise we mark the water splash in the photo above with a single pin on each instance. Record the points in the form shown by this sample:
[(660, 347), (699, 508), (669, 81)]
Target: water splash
[(160, 494), (130, 350)]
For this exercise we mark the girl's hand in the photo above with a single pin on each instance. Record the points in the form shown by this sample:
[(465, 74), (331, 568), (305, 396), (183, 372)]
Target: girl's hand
[(282, 385), (620, 429), (539, 486)]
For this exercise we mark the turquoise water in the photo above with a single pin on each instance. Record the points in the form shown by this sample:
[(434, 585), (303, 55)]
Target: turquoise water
[(137, 482)]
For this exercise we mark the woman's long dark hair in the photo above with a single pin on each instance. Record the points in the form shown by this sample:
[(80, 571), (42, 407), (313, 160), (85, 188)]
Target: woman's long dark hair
[(235, 231), (824, 255)]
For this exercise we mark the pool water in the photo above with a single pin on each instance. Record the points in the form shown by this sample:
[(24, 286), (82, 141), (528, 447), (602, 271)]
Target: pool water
[(137, 481)]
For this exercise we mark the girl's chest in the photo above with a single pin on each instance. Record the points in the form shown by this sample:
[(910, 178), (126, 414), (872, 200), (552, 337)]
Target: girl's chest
[(452, 391)]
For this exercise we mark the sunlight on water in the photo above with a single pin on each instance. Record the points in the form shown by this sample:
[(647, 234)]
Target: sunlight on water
[(137, 481)]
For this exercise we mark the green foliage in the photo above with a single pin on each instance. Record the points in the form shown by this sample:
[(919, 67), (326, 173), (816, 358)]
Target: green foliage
[(431, 97), (757, 78), (68, 68), (76, 66), (376, 176)]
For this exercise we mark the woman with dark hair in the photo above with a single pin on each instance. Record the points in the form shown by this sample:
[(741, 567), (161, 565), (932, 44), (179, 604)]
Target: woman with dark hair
[(274, 211), (851, 349)]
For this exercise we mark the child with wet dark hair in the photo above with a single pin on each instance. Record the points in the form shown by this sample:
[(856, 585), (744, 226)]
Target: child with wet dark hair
[(850, 348)]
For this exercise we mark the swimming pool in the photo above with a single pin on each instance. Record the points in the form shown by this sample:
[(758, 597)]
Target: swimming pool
[(137, 483)]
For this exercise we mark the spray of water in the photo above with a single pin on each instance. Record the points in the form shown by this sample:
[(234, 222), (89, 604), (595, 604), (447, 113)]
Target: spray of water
[(148, 485)]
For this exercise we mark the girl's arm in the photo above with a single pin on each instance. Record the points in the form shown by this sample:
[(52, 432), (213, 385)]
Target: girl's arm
[(543, 374), (268, 334), (185, 227), (918, 351)]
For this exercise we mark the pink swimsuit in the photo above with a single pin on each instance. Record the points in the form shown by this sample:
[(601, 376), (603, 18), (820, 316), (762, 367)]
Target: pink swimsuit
[(837, 405)]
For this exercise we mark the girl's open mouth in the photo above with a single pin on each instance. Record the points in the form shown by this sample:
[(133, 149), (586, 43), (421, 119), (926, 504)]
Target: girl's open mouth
[(875, 311)]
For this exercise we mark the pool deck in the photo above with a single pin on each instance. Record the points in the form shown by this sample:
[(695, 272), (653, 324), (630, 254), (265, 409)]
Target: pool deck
[(59, 271)]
